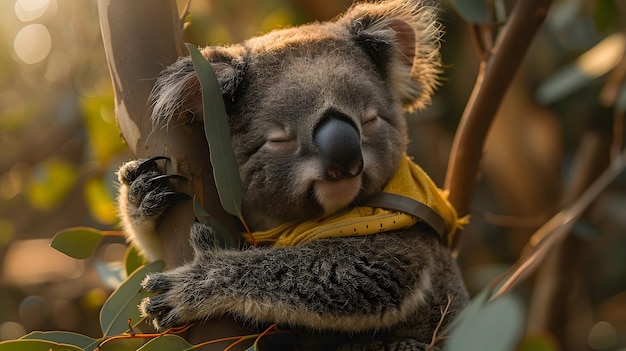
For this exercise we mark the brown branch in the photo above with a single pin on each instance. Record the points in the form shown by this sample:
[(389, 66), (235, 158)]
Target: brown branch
[(436, 338), (496, 73), (556, 229), (185, 11)]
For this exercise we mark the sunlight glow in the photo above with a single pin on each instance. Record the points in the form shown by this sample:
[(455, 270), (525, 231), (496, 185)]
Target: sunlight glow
[(603, 57), (32, 43), (30, 10)]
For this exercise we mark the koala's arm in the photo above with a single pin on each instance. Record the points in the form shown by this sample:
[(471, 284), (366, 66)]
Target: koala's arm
[(346, 284)]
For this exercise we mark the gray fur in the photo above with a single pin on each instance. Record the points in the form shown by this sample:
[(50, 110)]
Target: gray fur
[(379, 292)]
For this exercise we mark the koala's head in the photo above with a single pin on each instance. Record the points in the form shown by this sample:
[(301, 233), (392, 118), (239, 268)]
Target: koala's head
[(316, 111)]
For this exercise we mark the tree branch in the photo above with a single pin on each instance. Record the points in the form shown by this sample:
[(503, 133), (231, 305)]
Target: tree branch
[(496, 73)]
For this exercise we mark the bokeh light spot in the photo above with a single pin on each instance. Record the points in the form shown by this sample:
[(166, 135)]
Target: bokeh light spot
[(11, 330), (30, 10), (32, 43), (602, 336)]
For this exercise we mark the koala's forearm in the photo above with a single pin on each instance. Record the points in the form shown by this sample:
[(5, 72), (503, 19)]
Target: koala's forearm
[(349, 284)]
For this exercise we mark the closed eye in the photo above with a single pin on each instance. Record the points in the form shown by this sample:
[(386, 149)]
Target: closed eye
[(280, 141), (368, 122)]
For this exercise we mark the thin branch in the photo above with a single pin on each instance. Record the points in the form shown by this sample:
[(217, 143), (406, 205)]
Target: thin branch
[(185, 11), (444, 313), (496, 73), (556, 229)]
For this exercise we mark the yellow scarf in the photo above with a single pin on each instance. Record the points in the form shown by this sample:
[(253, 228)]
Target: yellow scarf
[(409, 181)]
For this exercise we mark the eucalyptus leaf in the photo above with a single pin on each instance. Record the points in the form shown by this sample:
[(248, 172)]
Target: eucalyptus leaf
[(217, 131), (225, 239), (473, 11), (594, 63), (35, 345), (497, 326), (124, 344), (562, 83), (122, 304), (166, 343), (133, 259), (61, 337), (77, 242)]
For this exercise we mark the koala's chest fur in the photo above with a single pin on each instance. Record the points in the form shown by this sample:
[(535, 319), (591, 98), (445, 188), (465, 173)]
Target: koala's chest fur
[(316, 116)]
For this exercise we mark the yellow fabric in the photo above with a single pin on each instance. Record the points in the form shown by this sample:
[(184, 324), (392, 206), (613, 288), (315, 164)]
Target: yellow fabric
[(409, 181)]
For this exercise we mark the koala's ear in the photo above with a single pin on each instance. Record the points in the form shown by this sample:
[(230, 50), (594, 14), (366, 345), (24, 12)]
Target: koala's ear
[(177, 92), (402, 39)]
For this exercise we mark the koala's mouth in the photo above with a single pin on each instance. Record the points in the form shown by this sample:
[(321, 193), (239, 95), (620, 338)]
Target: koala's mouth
[(336, 195)]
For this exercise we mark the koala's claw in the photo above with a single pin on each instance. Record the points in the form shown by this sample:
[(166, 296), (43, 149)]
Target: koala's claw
[(132, 170), (167, 176), (156, 283), (146, 192), (173, 197), (150, 164), (161, 308)]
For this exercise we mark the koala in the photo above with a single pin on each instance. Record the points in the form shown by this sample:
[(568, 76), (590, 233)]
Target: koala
[(317, 127)]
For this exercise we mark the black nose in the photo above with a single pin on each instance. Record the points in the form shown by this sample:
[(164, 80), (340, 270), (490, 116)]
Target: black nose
[(339, 146)]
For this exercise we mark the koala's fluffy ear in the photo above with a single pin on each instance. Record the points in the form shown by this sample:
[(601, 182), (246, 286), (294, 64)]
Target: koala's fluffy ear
[(177, 92), (402, 39)]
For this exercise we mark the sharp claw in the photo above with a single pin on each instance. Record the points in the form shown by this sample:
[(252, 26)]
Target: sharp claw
[(167, 176), (173, 196), (150, 164), (156, 158)]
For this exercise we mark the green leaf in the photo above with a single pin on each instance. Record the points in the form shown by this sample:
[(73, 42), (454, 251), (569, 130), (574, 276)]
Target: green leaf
[(133, 259), (498, 326), (166, 343), (217, 131), (122, 304), (35, 345), (473, 11), (77, 242), (562, 83), (124, 344), (61, 337), (222, 234), (594, 63)]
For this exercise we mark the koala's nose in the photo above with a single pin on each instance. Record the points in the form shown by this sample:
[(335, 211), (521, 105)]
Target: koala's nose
[(339, 147)]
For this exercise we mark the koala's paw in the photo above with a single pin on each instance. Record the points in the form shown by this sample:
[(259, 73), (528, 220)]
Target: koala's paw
[(183, 294), (166, 309), (146, 192)]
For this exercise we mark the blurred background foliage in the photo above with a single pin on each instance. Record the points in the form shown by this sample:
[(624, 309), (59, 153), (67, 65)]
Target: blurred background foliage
[(60, 147)]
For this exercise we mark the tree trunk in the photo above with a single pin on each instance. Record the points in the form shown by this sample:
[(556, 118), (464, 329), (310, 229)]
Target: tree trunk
[(141, 38)]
